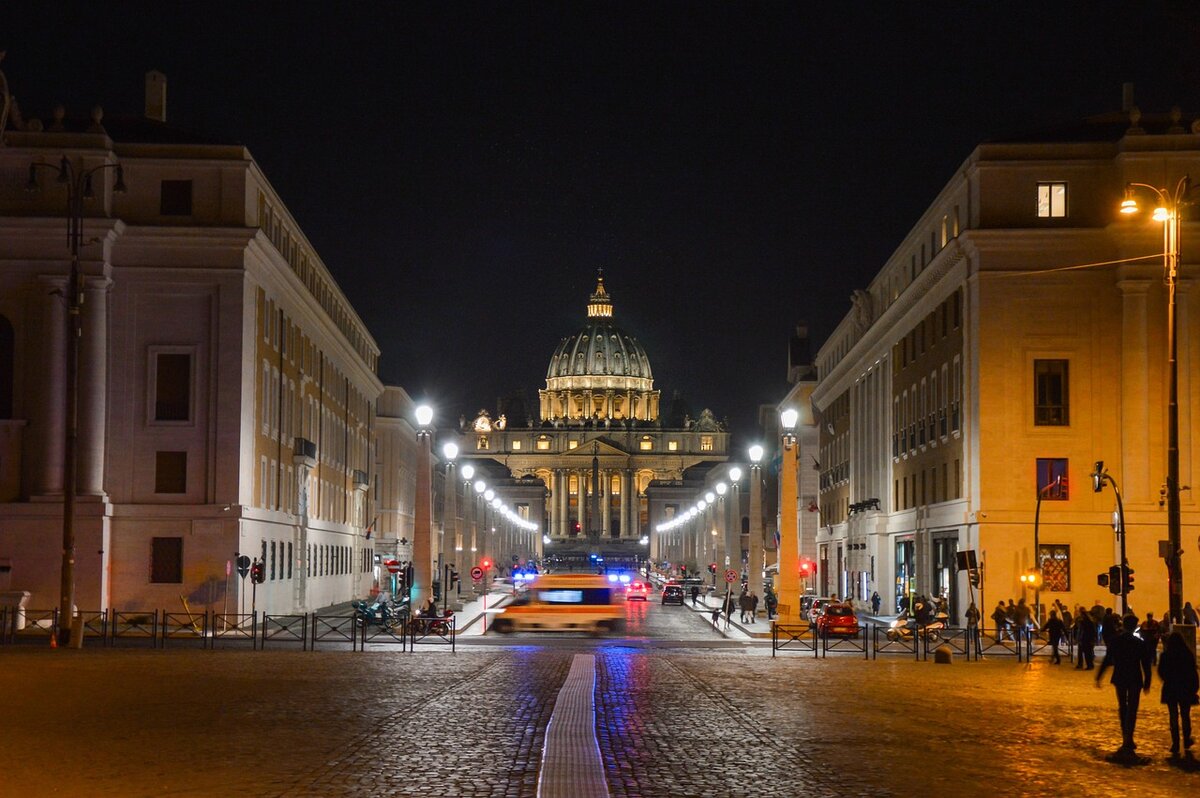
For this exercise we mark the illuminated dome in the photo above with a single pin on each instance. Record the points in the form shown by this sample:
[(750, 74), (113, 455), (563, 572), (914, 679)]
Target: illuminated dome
[(599, 372)]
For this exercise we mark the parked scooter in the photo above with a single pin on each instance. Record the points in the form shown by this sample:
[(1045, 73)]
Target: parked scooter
[(905, 627), (382, 612)]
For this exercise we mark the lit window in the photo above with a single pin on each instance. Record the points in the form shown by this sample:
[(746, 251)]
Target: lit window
[(1051, 400), (1051, 200), (572, 444), (516, 445), (646, 443), (672, 446), (1052, 478), (543, 444), (1055, 562), (481, 442), (706, 443)]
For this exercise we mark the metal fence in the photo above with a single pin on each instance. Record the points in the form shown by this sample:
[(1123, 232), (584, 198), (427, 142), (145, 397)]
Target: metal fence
[(184, 626), (135, 626), (793, 637), (285, 629), (858, 643), (894, 641), (432, 630), (336, 628)]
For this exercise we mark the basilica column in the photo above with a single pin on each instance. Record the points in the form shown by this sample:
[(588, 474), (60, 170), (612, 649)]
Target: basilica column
[(564, 503), (626, 530), (93, 383), (605, 504)]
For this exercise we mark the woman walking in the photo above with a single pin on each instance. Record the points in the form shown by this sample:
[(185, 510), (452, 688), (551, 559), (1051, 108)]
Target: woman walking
[(1180, 687)]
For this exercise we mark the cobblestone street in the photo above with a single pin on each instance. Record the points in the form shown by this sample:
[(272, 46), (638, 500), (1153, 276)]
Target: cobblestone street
[(678, 721)]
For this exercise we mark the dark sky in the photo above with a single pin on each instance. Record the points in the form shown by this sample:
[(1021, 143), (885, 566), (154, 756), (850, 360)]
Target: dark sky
[(735, 168)]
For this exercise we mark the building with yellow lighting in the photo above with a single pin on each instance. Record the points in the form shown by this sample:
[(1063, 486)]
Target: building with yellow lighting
[(1016, 336)]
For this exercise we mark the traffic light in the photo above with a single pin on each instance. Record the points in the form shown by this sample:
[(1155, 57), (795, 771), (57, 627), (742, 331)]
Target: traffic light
[(1102, 579), (973, 575), (485, 564), (1126, 578), (806, 568), (712, 567), (257, 572), (1114, 580)]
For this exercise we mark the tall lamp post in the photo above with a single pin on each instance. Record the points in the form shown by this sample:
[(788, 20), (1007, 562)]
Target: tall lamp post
[(789, 530), (1167, 211), (449, 522), (423, 511), (734, 519), (756, 521), (78, 184), (461, 561)]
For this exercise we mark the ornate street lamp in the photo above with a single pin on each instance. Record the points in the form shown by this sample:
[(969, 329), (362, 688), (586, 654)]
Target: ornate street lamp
[(78, 184)]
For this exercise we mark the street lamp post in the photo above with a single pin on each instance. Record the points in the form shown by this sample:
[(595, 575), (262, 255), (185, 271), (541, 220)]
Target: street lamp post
[(789, 531), (756, 524), (423, 511), (449, 521), (1168, 213), (734, 520), (461, 560), (78, 183)]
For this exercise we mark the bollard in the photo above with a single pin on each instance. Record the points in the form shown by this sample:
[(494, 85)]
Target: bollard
[(943, 655)]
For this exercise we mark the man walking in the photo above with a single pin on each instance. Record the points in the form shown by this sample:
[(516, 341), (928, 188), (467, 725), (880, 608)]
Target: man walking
[(1085, 638), (753, 606), (1130, 662), (695, 594), (1055, 629)]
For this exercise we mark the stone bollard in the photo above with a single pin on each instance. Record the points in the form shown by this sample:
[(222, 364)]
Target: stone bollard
[(943, 655)]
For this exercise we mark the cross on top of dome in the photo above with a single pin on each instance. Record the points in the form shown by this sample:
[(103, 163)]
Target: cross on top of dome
[(599, 304)]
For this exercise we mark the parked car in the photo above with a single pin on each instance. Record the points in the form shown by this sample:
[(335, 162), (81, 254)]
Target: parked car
[(637, 590), (810, 606), (837, 619), (673, 594)]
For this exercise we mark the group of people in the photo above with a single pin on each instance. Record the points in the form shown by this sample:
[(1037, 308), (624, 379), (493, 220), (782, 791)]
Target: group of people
[(746, 603)]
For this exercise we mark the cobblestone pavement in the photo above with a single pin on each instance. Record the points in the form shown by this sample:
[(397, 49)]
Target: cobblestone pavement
[(697, 721)]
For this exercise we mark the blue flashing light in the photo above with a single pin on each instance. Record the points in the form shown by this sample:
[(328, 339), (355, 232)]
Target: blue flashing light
[(624, 579), (612, 578)]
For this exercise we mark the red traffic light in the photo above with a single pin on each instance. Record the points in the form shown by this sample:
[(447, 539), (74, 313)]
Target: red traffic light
[(485, 564), (807, 567)]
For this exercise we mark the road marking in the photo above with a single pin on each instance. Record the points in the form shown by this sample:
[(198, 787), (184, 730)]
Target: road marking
[(571, 766)]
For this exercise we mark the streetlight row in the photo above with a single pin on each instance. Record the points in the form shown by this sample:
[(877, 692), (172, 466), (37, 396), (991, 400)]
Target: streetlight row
[(735, 474)]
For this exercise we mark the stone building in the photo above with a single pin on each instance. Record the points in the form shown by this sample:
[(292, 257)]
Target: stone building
[(226, 386), (599, 442), (1016, 336)]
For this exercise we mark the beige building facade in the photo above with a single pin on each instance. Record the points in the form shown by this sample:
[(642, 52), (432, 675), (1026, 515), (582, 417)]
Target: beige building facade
[(227, 388), (1016, 336)]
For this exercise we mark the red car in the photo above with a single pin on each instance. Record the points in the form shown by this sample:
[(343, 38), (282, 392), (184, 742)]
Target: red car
[(837, 619), (637, 590)]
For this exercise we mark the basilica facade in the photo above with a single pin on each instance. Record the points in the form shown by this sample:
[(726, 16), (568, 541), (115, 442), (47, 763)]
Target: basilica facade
[(599, 441)]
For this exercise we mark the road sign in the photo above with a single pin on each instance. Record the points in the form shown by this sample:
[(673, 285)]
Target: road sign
[(393, 566), (731, 576), (243, 565), (476, 574)]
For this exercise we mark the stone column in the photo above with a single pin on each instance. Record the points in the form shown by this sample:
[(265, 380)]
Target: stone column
[(553, 490), (48, 413), (605, 503), (626, 530), (564, 502), (93, 385)]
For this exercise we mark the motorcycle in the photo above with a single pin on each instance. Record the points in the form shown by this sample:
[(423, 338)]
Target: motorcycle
[(380, 612), (432, 624), (905, 627)]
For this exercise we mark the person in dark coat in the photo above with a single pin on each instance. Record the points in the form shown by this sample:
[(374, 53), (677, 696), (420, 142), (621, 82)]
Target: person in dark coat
[(1055, 630), (753, 606), (1130, 660), (875, 602), (1085, 639), (1180, 687), (695, 594), (1110, 627), (745, 606), (772, 603)]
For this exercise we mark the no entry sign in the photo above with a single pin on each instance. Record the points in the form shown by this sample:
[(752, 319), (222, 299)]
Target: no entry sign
[(393, 566)]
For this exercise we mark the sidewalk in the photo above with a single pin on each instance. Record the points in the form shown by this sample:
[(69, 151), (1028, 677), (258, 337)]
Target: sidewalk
[(735, 629)]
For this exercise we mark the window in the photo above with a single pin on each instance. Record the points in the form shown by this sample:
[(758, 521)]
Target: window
[(543, 443), (170, 472), (1055, 562), (481, 442), (172, 386), (706, 443), (289, 562), (672, 446), (646, 443), (572, 444), (175, 198), (272, 561), (166, 560), (1050, 397), (1052, 478), (1051, 200), (516, 446)]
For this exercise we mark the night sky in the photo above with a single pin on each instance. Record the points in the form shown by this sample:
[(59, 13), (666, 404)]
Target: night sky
[(463, 170)]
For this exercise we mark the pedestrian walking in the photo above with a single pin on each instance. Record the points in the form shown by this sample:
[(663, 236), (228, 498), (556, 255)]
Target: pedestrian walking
[(875, 602), (695, 594), (1180, 687), (1189, 614), (1151, 631), (753, 606), (772, 603), (745, 607), (1055, 630), (1109, 627), (716, 617), (1000, 617), (1128, 658), (1085, 640), (729, 605), (972, 616)]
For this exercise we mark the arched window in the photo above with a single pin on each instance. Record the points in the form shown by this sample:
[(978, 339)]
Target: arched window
[(8, 367)]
